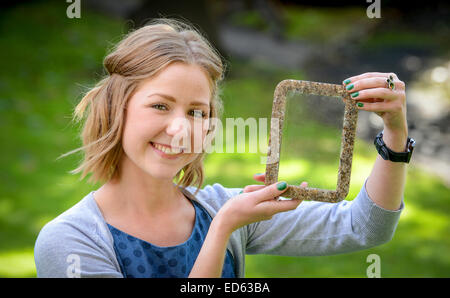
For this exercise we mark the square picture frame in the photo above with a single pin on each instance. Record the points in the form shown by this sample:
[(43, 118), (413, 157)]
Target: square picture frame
[(347, 139)]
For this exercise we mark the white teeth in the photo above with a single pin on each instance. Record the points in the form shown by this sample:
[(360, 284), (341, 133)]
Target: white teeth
[(167, 150)]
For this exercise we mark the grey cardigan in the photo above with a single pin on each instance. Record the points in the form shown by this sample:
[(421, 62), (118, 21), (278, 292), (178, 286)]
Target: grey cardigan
[(78, 242)]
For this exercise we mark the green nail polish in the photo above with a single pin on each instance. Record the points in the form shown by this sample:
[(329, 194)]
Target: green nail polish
[(347, 81), (241, 191), (360, 104), (258, 174), (281, 185), (355, 94), (349, 87)]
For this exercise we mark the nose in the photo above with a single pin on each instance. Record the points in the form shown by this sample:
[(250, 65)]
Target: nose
[(185, 133), (178, 129), (178, 125)]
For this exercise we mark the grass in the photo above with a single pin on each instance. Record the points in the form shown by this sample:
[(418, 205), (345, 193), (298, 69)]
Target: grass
[(50, 61)]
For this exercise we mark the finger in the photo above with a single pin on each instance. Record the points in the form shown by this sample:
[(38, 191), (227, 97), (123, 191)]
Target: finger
[(380, 107), (269, 192), (260, 177), (372, 82), (369, 75), (374, 100), (273, 207), (379, 93), (251, 188), (304, 184)]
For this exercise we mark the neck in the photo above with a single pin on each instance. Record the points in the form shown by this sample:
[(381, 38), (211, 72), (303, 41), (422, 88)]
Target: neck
[(135, 192)]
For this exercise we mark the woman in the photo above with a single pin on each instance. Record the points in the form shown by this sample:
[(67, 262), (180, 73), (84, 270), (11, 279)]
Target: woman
[(162, 80)]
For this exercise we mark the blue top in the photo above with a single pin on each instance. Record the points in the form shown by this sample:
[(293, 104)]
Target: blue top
[(138, 258)]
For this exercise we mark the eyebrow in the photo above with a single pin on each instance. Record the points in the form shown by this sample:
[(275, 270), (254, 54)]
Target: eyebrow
[(171, 98)]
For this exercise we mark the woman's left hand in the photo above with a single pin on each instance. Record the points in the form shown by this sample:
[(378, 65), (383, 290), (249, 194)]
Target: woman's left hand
[(372, 93)]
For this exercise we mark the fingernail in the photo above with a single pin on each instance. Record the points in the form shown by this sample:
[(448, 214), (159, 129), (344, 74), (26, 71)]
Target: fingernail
[(355, 94), (347, 81), (258, 174), (349, 87), (360, 104), (241, 191), (281, 185)]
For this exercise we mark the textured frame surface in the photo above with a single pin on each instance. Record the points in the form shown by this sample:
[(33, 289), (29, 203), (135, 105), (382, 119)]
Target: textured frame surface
[(347, 140)]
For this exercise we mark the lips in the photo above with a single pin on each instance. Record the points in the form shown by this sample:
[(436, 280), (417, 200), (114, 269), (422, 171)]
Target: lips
[(166, 150)]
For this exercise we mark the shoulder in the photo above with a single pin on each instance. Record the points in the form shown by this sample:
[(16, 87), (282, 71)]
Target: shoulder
[(79, 220), (218, 191), (213, 196), (76, 235)]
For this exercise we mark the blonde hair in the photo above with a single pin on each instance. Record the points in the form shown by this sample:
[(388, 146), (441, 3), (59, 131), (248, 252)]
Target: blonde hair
[(141, 54)]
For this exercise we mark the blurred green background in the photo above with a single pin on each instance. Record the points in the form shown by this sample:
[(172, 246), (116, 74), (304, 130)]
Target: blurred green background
[(49, 60)]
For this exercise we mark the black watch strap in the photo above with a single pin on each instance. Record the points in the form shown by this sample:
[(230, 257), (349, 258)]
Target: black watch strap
[(388, 154)]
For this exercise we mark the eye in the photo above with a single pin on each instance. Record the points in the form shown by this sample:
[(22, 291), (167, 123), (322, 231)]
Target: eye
[(198, 113), (159, 107), (193, 113)]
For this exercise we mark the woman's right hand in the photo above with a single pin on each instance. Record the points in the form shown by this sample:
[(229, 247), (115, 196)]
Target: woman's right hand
[(255, 204)]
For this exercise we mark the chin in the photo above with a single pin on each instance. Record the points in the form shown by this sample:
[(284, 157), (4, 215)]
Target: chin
[(162, 173)]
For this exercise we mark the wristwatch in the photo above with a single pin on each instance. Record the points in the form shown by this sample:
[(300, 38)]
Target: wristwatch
[(388, 154)]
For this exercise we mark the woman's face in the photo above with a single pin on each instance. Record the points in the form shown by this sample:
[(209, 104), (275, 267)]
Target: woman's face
[(167, 121)]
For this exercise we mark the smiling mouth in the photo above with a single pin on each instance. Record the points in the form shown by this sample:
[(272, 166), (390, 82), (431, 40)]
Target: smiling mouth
[(167, 149)]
